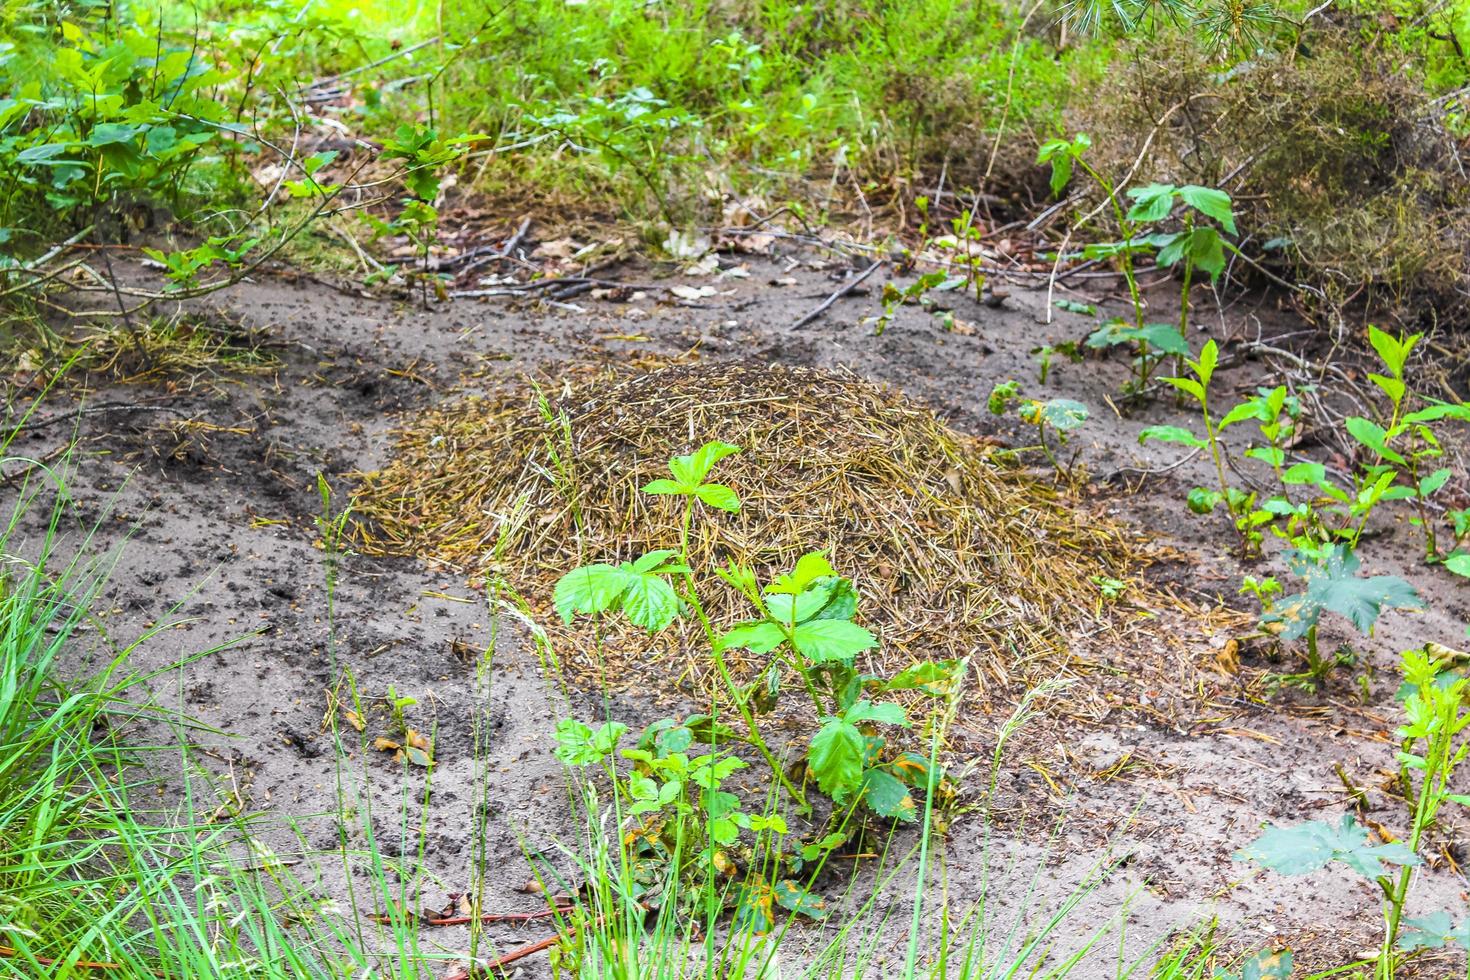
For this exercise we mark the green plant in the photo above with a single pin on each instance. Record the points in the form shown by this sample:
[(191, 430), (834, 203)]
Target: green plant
[(425, 155), (1404, 443), (1061, 416), (106, 112), (1433, 747), (803, 620), (915, 292), (1196, 244), (1330, 583)]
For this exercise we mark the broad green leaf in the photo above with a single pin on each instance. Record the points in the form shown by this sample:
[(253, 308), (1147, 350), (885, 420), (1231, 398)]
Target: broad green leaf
[(757, 637), (664, 487), (887, 796), (1372, 435), (574, 743), (591, 589), (1170, 433), (809, 567), (719, 496), (1394, 388), (1064, 414), (1205, 249), (649, 601), (1151, 203), (913, 769), (1332, 585), (1188, 385), (1459, 563), (1267, 454), (1312, 846), (1310, 474), (1434, 930), (1203, 500), (1163, 338), (1437, 411), (653, 560), (792, 897), (836, 759), (1210, 202), (724, 831), (842, 599), (698, 464), (1433, 482), (886, 713), (823, 640)]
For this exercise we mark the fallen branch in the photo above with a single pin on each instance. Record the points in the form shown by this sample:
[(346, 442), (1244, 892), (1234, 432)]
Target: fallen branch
[(847, 287)]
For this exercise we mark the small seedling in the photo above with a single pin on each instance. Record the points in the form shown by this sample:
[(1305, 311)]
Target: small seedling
[(1059, 416)]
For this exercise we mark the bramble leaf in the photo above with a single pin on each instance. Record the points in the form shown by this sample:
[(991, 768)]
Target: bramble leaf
[(590, 589), (1211, 202), (719, 496), (1312, 846), (794, 898), (836, 759), (649, 601), (888, 797), (886, 713), (823, 640), (757, 637), (1151, 203)]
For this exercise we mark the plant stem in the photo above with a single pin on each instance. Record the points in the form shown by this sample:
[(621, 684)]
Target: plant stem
[(718, 656)]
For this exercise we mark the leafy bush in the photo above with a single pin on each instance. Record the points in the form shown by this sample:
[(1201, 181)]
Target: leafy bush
[(100, 116)]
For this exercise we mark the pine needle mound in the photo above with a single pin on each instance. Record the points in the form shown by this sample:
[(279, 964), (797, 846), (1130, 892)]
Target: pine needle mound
[(953, 553)]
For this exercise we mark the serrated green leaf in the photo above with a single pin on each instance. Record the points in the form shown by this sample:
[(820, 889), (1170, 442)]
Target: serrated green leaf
[(823, 640), (698, 464), (886, 713), (809, 567), (888, 797), (937, 678), (794, 898), (653, 560), (1152, 202), (757, 637), (649, 601), (836, 759), (590, 589), (719, 496), (1212, 203), (665, 487)]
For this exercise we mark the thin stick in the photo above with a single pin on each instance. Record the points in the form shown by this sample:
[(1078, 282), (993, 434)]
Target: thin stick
[(847, 287)]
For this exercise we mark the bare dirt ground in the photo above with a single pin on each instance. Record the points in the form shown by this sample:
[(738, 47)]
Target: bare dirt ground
[(209, 484)]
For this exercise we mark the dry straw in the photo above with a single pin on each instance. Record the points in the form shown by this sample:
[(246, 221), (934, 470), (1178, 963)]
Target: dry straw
[(955, 552)]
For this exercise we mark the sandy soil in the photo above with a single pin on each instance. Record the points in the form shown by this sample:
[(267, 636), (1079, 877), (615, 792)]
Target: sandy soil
[(217, 517)]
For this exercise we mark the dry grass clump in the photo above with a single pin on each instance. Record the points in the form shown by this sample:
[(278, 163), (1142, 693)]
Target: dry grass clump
[(1336, 157), (954, 554)]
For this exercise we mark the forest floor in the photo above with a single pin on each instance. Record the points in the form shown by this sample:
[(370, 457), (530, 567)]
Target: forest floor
[(209, 478)]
